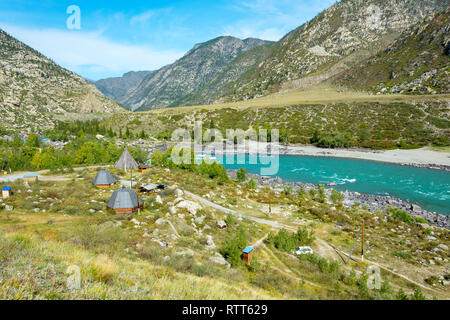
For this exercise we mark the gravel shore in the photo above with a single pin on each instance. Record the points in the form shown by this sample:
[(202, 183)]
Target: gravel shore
[(373, 202)]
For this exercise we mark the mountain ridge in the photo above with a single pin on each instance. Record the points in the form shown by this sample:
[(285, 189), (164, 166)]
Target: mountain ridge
[(191, 72), (34, 89)]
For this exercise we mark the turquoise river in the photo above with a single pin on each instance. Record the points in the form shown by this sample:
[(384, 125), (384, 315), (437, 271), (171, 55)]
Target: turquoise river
[(428, 188)]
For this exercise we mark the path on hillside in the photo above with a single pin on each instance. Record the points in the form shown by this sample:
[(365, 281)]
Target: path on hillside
[(330, 249), (41, 174), (272, 224)]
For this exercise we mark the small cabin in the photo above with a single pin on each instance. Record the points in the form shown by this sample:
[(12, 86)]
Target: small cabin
[(247, 254), (104, 179), (143, 168), (30, 177), (125, 201), (6, 192)]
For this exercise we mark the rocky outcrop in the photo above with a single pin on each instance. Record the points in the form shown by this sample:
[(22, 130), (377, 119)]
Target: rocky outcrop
[(350, 31), (34, 90), (171, 84), (416, 63)]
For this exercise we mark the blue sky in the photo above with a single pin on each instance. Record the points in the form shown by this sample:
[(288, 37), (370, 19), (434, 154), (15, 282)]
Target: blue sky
[(119, 36)]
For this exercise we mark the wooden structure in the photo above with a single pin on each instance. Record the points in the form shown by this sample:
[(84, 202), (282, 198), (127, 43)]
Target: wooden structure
[(6, 192), (104, 179), (143, 168), (247, 254), (31, 177), (125, 201), (126, 162)]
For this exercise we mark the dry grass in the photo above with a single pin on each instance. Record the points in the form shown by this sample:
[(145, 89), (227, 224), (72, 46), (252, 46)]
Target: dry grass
[(319, 94)]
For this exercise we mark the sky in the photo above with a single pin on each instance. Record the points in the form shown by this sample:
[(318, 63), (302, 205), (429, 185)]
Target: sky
[(115, 37)]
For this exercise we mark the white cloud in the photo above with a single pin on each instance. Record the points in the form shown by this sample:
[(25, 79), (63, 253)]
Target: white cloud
[(145, 16), (272, 19), (246, 31), (142, 18), (89, 53)]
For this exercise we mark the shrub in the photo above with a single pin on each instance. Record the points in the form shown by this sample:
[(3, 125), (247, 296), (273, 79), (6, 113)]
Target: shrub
[(401, 295), (321, 195), (233, 246), (287, 190), (418, 295), (286, 241), (241, 175), (401, 215), (336, 196), (251, 184), (402, 255), (102, 269)]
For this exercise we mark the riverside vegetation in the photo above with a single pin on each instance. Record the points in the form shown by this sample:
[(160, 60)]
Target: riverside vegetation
[(374, 125)]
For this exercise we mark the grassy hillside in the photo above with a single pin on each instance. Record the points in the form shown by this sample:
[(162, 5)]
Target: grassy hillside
[(364, 121), (166, 255)]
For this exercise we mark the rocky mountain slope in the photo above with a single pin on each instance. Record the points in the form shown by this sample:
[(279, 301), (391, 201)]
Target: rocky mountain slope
[(222, 83), (334, 41), (417, 63), (117, 87), (33, 89), (196, 69)]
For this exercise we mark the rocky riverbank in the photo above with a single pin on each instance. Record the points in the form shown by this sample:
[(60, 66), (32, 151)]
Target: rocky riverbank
[(373, 202)]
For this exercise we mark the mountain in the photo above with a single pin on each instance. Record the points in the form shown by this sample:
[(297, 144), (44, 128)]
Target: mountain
[(197, 68), (221, 84), (418, 62), (337, 39), (116, 88), (35, 90)]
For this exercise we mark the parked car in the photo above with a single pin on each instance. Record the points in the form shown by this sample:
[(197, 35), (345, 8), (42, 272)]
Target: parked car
[(304, 250)]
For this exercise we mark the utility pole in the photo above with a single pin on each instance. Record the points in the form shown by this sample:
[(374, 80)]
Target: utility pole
[(137, 191), (353, 247), (362, 247)]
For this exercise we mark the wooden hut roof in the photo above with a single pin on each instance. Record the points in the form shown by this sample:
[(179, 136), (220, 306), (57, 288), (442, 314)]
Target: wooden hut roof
[(126, 161), (123, 198), (104, 178)]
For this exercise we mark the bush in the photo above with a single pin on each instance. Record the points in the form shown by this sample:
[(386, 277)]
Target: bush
[(332, 139), (321, 195), (214, 170), (418, 295), (241, 175), (233, 246), (401, 215), (336, 196), (102, 269), (287, 190), (251, 184), (402, 255), (288, 242)]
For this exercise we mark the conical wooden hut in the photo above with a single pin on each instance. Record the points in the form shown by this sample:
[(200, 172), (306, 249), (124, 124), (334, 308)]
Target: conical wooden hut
[(104, 179), (126, 161), (125, 201)]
